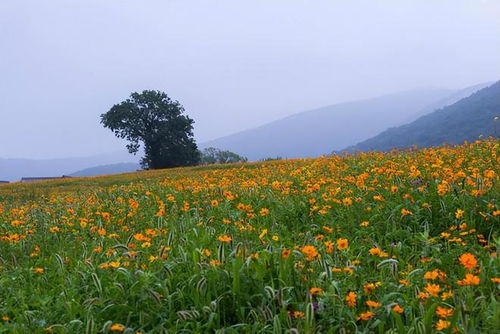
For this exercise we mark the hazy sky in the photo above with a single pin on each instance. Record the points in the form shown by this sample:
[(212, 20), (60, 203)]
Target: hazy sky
[(233, 64)]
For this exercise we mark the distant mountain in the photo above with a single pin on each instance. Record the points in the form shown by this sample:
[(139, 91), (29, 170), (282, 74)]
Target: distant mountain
[(316, 132), (124, 167), (449, 100), (466, 119), (15, 169)]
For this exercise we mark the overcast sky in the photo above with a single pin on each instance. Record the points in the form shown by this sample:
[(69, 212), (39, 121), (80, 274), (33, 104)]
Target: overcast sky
[(233, 64)]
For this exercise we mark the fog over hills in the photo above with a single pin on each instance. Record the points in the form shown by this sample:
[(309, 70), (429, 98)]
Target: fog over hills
[(15, 169), (315, 132), (467, 119)]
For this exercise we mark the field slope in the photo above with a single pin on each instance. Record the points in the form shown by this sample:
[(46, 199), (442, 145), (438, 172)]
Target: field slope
[(366, 243)]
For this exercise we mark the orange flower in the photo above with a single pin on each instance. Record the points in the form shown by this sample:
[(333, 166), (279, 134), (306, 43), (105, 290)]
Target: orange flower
[(468, 261), (398, 309), (350, 299), (38, 270), (117, 328), (404, 282), (469, 280), (316, 291), (405, 212), (215, 263), (366, 315), (368, 288), (342, 244), (372, 303), (433, 289), (444, 312), (310, 252), (329, 247), (224, 238), (264, 212), (296, 314), (442, 324), (285, 253)]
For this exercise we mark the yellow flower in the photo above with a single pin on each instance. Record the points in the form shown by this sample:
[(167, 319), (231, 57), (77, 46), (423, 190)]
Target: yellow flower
[(285, 253), (263, 233), (447, 294), (459, 214), (39, 270), (114, 264)]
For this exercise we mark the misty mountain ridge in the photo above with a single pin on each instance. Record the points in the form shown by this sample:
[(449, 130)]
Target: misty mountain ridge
[(319, 131), (118, 168), (465, 120)]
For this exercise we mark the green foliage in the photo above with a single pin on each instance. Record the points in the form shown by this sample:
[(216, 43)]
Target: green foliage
[(212, 155), (156, 121)]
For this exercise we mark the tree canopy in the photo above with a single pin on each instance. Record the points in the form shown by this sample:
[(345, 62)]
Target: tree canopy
[(157, 122)]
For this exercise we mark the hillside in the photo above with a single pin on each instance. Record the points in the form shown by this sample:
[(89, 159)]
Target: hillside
[(316, 132), (467, 119), (288, 246)]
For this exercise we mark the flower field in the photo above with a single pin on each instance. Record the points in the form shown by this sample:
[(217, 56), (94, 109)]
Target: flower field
[(401, 242)]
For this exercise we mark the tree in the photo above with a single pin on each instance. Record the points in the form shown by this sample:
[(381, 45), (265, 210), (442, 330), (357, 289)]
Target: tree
[(156, 121), (212, 155)]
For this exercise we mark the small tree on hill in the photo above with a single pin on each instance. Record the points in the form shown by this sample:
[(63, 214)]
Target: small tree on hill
[(153, 119), (212, 155)]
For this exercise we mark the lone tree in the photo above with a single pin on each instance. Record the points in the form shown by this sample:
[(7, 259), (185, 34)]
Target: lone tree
[(152, 118)]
